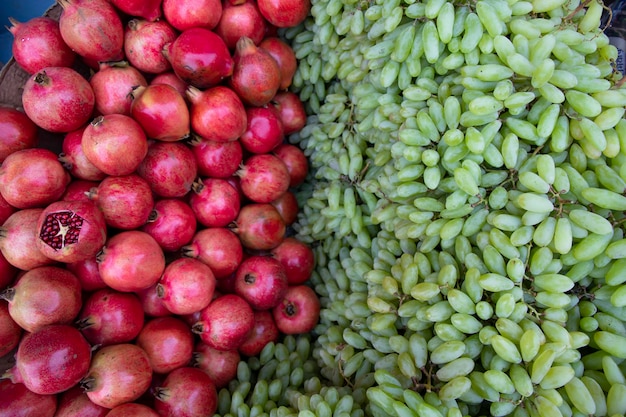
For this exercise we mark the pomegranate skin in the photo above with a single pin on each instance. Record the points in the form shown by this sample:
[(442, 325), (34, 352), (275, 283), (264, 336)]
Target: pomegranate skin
[(199, 57), (148, 9), (162, 112), (284, 13), (171, 79), (217, 159), (225, 323), (284, 56), (132, 410), (287, 207), (260, 226), (37, 44), (220, 365), (112, 85), (291, 111), (74, 159), (75, 403), (187, 14), (58, 99), (36, 170), (264, 178), (92, 28), (242, 19), (263, 332), (264, 130), (168, 341), (186, 392), (143, 43), (18, 401), (87, 273), (187, 286), (217, 247), (172, 224), (10, 331), (18, 237), (217, 113), (214, 202), (17, 132), (169, 168), (52, 359)]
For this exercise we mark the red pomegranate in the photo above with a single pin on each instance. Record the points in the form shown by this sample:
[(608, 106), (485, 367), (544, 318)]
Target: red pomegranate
[(168, 342), (17, 132), (260, 226), (241, 19), (291, 111), (287, 207), (169, 168), (162, 112), (186, 286), (263, 332), (296, 162), (214, 202), (10, 331), (18, 240), (172, 224), (284, 56), (74, 159), (217, 247), (87, 273), (187, 14), (148, 9), (284, 13), (75, 403), (217, 113), (264, 178), (264, 131), (186, 392), (112, 85), (216, 159), (143, 43), (220, 365), (171, 79)]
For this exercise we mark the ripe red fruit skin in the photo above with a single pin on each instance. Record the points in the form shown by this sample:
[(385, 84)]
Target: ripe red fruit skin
[(36, 170), (217, 247), (151, 303), (256, 75), (225, 323), (296, 162), (143, 43), (74, 159), (284, 13), (298, 312), (199, 57), (75, 403), (10, 331), (132, 410), (109, 317), (214, 202), (18, 240), (263, 332), (17, 132), (118, 374), (264, 178), (92, 28), (217, 113), (291, 111), (115, 143), (52, 359), (217, 159), (284, 56), (71, 231), (186, 286), (148, 9), (241, 19), (125, 201), (131, 261), (186, 14), (78, 190), (287, 207), (162, 112), (172, 224), (37, 44), (297, 258), (169, 343), (169, 168), (260, 226), (44, 296), (264, 130), (87, 273), (186, 392), (7, 273), (171, 79), (261, 281), (220, 365), (18, 401), (112, 85)]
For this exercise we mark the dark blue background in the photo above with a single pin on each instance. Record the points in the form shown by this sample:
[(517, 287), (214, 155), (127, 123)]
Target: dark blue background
[(21, 10)]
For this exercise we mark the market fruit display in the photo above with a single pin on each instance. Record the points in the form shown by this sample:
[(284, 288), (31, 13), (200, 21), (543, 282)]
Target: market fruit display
[(461, 215)]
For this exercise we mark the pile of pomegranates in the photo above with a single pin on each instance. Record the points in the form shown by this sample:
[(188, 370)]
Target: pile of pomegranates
[(145, 256)]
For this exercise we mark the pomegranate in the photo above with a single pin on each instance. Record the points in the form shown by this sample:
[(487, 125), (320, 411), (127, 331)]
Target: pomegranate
[(17, 132), (187, 286), (284, 13), (241, 19), (151, 303), (43, 296), (227, 285), (225, 323), (143, 43), (261, 281), (109, 317), (260, 226), (168, 342), (71, 231), (148, 9), (256, 76), (87, 273), (172, 224), (296, 162), (290, 110), (132, 410), (287, 207), (74, 159), (112, 85), (187, 14), (7, 273), (5, 210), (199, 57), (186, 392), (214, 202), (297, 258), (75, 403), (18, 240), (171, 79), (92, 28), (298, 312), (264, 178), (18, 401), (284, 56), (263, 332), (264, 130), (51, 360), (37, 44), (125, 201), (217, 159), (217, 247), (169, 168), (32, 178), (162, 112), (115, 143), (131, 261), (10, 331), (220, 365), (78, 190), (217, 113), (118, 374)]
